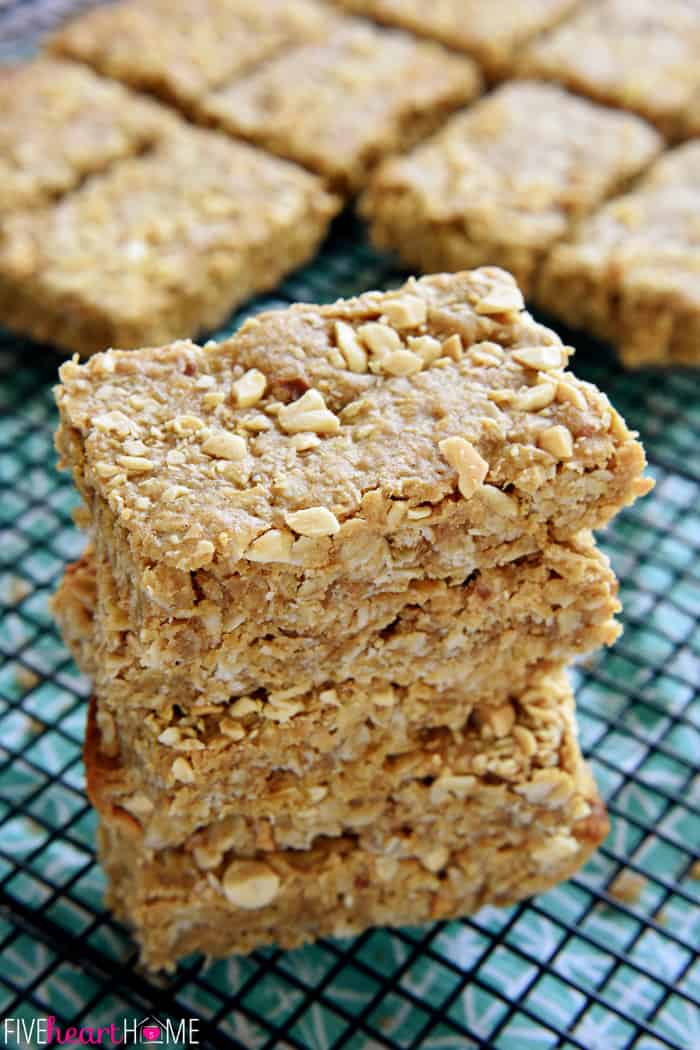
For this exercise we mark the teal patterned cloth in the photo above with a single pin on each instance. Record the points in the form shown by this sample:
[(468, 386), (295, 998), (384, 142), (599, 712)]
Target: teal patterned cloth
[(575, 968)]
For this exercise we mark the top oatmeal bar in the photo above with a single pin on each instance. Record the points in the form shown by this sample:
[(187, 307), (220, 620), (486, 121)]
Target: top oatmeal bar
[(181, 50), (432, 427), (491, 32), (60, 123), (639, 54)]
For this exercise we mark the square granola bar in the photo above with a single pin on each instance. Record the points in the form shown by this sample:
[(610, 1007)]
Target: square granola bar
[(485, 817), (641, 55), (505, 180), (60, 123), (426, 432), (340, 105), (483, 636), (631, 272), (219, 783), (162, 245), (491, 32), (182, 49)]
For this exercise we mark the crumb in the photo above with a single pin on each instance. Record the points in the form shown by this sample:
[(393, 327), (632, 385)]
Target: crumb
[(19, 589), (627, 887), (25, 678), (695, 871)]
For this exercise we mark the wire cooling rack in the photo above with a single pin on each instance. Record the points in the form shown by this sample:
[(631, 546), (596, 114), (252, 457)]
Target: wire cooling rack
[(577, 967), (574, 968)]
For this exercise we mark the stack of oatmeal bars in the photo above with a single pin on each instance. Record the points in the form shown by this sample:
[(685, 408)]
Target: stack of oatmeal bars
[(337, 566)]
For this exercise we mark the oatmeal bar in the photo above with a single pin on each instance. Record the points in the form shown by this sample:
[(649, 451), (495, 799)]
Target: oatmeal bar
[(161, 246), (340, 105), (379, 782), (422, 433), (182, 49), (639, 54), (484, 635), (491, 32), (335, 889), (503, 181), (631, 273), (61, 123), (465, 841)]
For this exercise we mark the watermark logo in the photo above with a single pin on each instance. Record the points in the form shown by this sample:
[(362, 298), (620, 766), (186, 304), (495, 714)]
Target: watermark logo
[(149, 1031)]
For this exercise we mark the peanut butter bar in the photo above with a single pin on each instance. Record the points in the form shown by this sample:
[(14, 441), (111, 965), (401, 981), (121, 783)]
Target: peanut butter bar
[(503, 181), (419, 434), (196, 753), (61, 123), (341, 104), (485, 819), (491, 32), (484, 636), (631, 272), (134, 769), (638, 54), (334, 889), (182, 49), (162, 245)]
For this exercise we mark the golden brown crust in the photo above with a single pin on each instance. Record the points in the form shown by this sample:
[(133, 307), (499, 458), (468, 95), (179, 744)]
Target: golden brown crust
[(73, 606), (104, 777), (498, 186)]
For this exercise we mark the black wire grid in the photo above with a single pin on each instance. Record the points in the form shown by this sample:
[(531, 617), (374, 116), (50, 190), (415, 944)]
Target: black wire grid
[(574, 968)]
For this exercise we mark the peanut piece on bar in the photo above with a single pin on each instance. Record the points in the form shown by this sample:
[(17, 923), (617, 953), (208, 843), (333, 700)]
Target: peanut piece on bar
[(470, 466), (500, 502), (275, 545), (501, 299), (225, 446), (355, 355), (309, 412), (380, 338), (436, 860), (314, 521), (535, 397), (250, 884), (183, 771), (557, 440), (402, 363), (249, 389), (407, 312), (541, 358)]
